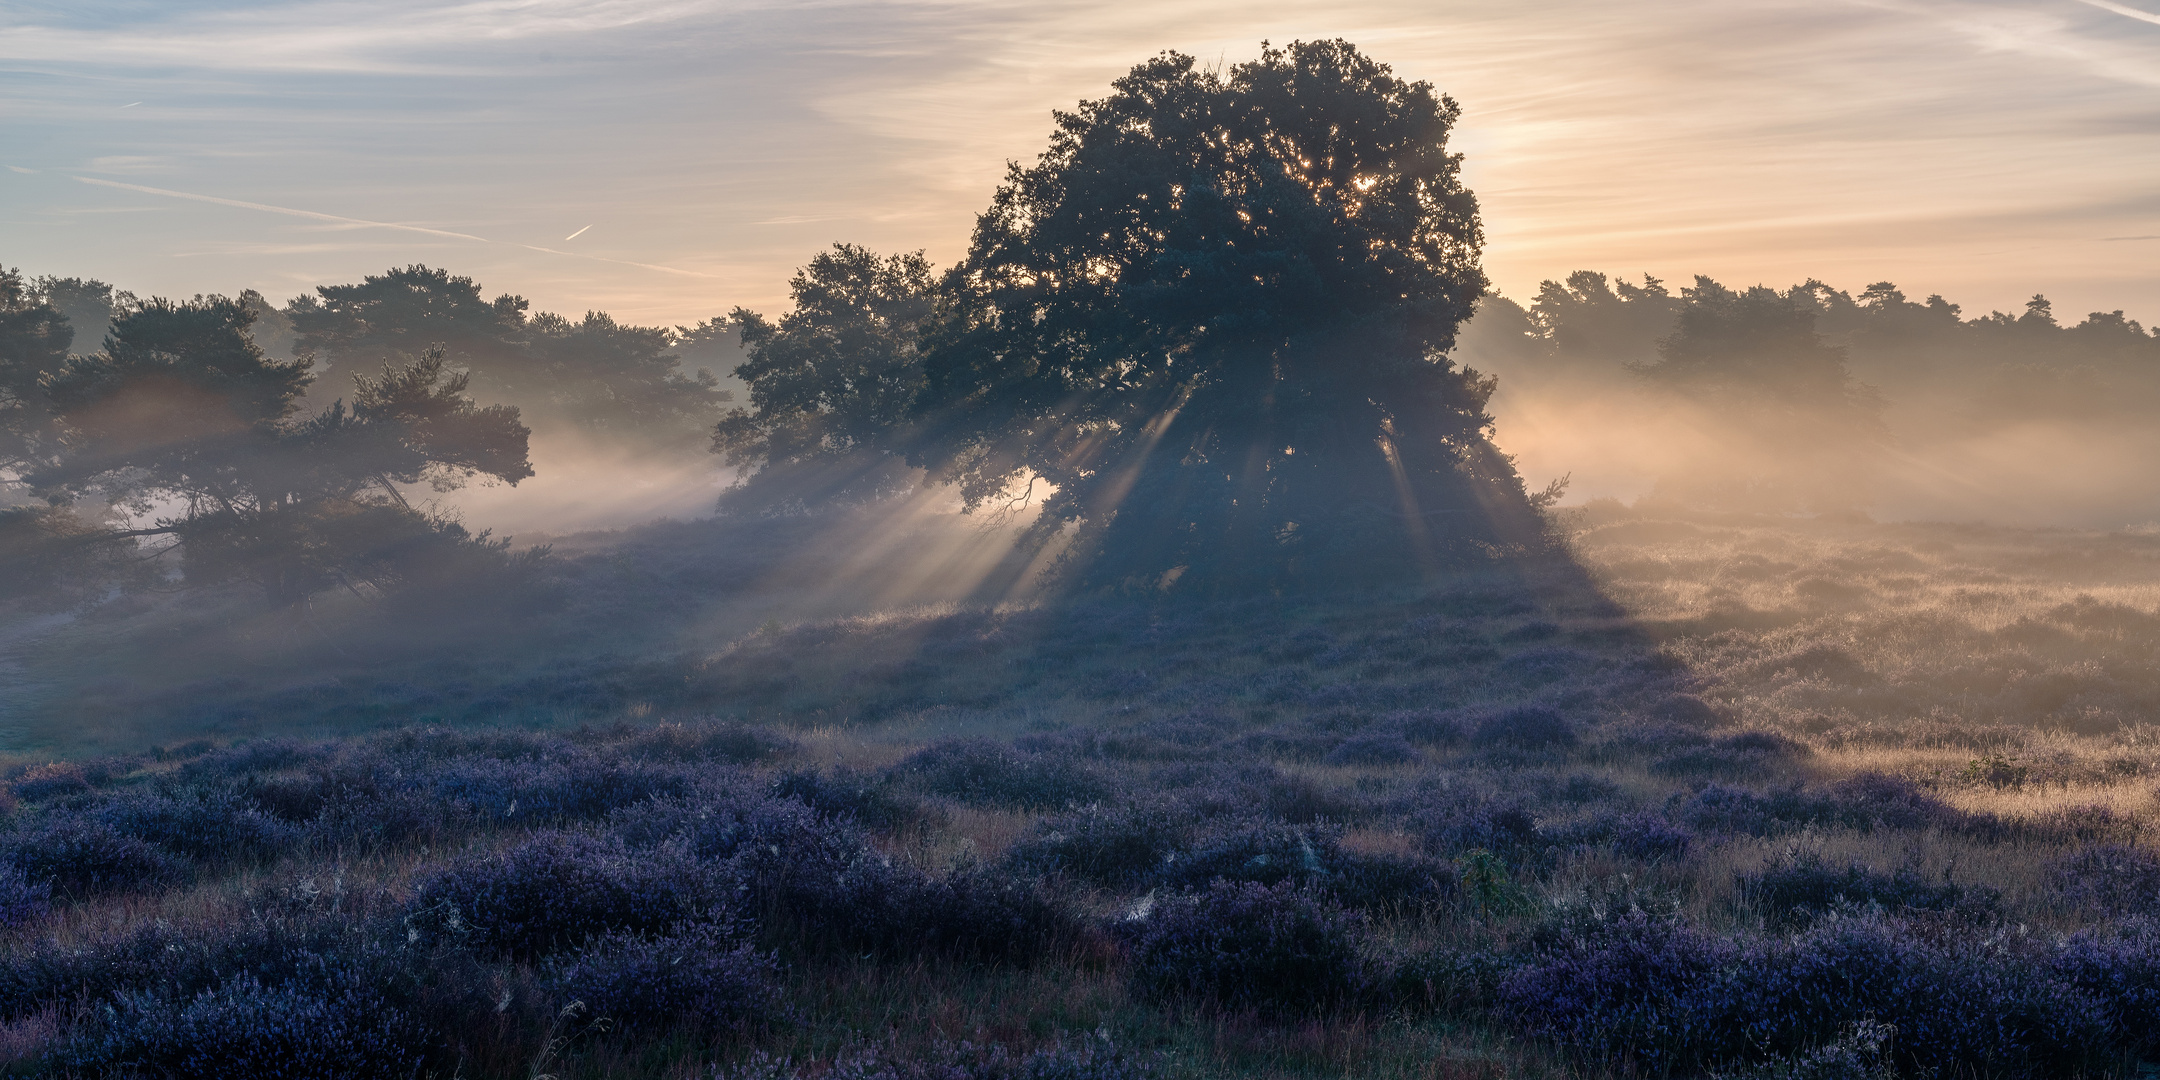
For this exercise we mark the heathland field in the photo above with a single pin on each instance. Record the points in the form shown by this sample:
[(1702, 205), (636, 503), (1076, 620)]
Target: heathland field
[(1710, 796)]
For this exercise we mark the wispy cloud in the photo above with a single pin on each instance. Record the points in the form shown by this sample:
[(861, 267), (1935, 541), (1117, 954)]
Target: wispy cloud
[(365, 224), (729, 140), (2119, 9)]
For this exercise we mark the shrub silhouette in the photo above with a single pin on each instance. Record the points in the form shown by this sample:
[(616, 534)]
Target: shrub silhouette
[(1278, 949)]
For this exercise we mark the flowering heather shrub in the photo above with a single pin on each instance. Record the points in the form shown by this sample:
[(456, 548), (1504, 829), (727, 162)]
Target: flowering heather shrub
[(1265, 852), (1111, 846), (1461, 982), (1656, 996), (867, 800), (701, 977), (1225, 790), (1523, 727), (1687, 710), (1804, 889), (573, 787), (253, 759), (1290, 742), (1864, 803), (975, 913), (360, 820), (2119, 967), (1620, 992), (2114, 878), (1451, 822), (337, 1027), (81, 856), (1374, 749), (1277, 949), (1095, 1057), (554, 891), (735, 744), (1862, 1052), (1639, 834), (200, 824), (50, 781), (1960, 1006), (986, 772), (1311, 856), (1586, 788), (1877, 801), (1746, 754), (21, 899), (1426, 727), (1536, 667)]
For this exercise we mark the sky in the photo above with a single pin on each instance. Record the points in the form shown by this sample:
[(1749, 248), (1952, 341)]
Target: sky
[(699, 150)]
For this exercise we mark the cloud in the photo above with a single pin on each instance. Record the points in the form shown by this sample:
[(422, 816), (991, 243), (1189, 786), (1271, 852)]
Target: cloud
[(2119, 9), (335, 219), (1772, 140)]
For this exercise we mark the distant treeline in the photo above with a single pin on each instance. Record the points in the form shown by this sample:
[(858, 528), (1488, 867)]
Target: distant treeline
[(639, 384), (2030, 364), (1807, 397)]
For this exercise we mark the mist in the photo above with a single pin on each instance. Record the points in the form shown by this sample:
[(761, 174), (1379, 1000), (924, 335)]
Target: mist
[(2007, 420)]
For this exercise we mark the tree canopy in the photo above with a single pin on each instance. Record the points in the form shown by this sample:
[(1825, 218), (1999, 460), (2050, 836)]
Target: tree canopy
[(833, 382), (607, 378), (181, 419), (1213, 316)]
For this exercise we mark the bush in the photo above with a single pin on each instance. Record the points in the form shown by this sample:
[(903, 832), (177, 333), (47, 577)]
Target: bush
[(976, 914), (1656, 996), (1110, 847), (1640, 834), (1863, 803), (1311, 857), (1960, 1006), (1373, 749), (1746, 754), (21, 899), (1523, 727), (1803, 890), (205, 825), (1426, 727), (1277, 949), (735, 744), (701, 977), (1451, 822), (248, 1030), (2119, 967), (80, 856), (553, 892), (1095, 1057), (51, 781), (985, 772), (865, 799), (2116, 879), (1619, 993), (576, 787), (1450, 981)]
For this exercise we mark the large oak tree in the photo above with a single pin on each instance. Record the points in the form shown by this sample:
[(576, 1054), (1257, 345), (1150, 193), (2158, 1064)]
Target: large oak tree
[(1214, 318)]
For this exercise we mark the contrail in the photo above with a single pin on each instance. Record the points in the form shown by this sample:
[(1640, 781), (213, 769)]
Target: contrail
[(365, 223), (2119, 9), (577, 234), (131, 104)]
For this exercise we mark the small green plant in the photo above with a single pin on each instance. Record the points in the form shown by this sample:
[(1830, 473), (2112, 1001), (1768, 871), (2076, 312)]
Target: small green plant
[(1486, 887)]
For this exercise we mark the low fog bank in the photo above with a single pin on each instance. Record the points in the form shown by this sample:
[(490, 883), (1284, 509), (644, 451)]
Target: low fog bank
[(1808, 401)]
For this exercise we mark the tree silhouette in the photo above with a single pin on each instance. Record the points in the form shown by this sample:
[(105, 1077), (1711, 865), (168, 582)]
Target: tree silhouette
[(1213, 317), (832, 383), (183, 419), (607, 378)]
